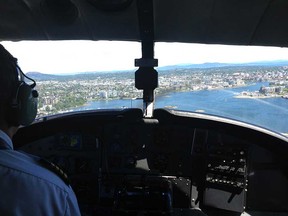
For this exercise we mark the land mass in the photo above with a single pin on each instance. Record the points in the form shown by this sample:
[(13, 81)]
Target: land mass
[(59, 93)]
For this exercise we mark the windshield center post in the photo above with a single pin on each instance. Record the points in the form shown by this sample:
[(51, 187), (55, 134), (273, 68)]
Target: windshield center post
[(146, 77)]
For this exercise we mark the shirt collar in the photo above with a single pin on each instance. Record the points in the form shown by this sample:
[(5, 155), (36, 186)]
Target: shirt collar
[(7, 142)]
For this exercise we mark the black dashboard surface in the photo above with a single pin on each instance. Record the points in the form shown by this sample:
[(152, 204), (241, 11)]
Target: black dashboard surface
[(118, 162)]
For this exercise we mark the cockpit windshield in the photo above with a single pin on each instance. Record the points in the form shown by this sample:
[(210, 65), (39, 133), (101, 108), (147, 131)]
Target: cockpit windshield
[(245, 83)]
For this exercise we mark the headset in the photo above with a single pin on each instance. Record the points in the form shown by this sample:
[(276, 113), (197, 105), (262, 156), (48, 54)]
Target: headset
[(22, 108)]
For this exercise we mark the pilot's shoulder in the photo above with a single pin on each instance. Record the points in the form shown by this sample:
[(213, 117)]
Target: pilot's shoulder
[(33, 166)]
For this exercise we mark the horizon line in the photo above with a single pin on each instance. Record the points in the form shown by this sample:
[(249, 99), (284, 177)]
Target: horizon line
[(159, 67)]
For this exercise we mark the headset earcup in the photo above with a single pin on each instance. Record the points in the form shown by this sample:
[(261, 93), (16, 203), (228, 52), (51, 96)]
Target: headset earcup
[(27, 105)]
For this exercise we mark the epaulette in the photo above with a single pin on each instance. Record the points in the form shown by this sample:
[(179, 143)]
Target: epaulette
[(55, 169)]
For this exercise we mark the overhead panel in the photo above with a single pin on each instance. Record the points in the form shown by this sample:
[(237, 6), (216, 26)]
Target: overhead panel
[(274, 25), (235, 21), (243, 22), (182, 21)]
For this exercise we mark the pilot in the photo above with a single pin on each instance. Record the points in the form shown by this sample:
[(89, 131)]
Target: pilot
[(29, 185)]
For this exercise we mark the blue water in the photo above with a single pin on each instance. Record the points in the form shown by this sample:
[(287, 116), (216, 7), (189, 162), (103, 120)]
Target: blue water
[(271, 113)]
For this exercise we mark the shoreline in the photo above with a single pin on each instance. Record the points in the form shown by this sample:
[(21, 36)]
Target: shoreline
[(257, 96)]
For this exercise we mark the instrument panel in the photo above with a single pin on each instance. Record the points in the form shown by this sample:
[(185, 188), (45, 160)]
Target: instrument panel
[(123, 159)]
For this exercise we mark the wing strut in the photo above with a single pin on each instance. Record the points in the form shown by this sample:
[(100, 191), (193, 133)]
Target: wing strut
[(146, 77)]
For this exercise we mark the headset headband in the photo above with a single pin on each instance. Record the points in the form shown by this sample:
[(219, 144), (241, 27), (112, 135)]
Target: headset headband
[(14, 61)]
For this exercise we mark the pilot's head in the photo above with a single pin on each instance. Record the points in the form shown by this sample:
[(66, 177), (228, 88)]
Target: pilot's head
[(18, 100)]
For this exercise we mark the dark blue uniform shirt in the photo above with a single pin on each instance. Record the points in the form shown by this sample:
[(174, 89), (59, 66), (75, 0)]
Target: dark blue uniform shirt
[(27, 188)]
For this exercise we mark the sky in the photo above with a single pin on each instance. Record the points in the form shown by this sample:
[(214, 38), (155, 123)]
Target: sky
[(68, 57)]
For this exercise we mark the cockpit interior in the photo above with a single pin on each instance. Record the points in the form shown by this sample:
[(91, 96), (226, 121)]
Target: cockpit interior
[(158, 161)]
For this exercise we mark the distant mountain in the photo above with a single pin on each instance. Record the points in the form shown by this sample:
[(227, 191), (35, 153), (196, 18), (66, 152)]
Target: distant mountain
[(266, 63), (217, 65), (41, 76), (79, 76), (204, 65)]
